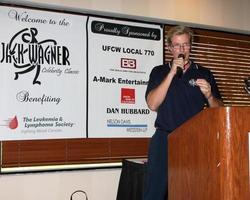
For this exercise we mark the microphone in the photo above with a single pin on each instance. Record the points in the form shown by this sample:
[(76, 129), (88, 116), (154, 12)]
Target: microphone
[(179, 71)]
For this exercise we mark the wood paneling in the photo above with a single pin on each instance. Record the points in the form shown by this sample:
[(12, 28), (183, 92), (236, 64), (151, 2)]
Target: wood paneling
[(71, 151)]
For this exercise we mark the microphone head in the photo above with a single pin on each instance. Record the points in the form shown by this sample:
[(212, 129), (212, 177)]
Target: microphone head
[(181, 56)]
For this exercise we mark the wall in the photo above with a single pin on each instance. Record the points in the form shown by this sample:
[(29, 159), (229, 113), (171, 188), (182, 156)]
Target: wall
[(229, 14), (99, 184)]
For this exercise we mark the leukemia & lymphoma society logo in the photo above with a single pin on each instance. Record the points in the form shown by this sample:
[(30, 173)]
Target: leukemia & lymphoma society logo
[(11, 123), (27, 53)]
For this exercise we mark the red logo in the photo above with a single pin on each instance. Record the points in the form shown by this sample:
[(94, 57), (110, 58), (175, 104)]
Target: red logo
[(128, 95), (12, 123), (128, 63)]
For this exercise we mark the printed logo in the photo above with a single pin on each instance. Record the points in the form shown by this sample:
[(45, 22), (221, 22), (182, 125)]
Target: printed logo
[(11, 123), (128, 63), (27, 53), (128, 95)]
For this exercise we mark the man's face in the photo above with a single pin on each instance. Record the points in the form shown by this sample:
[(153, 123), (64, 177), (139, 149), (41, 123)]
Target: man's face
[(180, 45)]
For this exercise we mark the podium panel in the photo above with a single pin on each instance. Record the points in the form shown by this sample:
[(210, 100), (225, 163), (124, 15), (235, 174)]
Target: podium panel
[(208, 156)]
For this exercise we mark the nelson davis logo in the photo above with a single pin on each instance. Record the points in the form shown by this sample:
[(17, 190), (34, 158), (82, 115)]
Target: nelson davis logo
[(28, 54)]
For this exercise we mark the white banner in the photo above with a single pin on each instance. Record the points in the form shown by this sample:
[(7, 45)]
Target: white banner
[(43, 74), (121, 56)]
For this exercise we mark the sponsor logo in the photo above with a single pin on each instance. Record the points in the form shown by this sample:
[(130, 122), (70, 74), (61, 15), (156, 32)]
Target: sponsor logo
[(128, 63), (128, 95), (135, 111), (113, 80), (127, 124)]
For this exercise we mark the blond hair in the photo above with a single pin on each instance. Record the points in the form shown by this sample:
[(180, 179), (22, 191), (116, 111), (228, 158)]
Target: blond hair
[(179, 30)]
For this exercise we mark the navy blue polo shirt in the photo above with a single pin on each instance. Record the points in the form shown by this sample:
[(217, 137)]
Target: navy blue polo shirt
[(183, 100)]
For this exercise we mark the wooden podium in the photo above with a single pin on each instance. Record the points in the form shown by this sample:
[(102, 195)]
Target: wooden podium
[(208, 156)]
